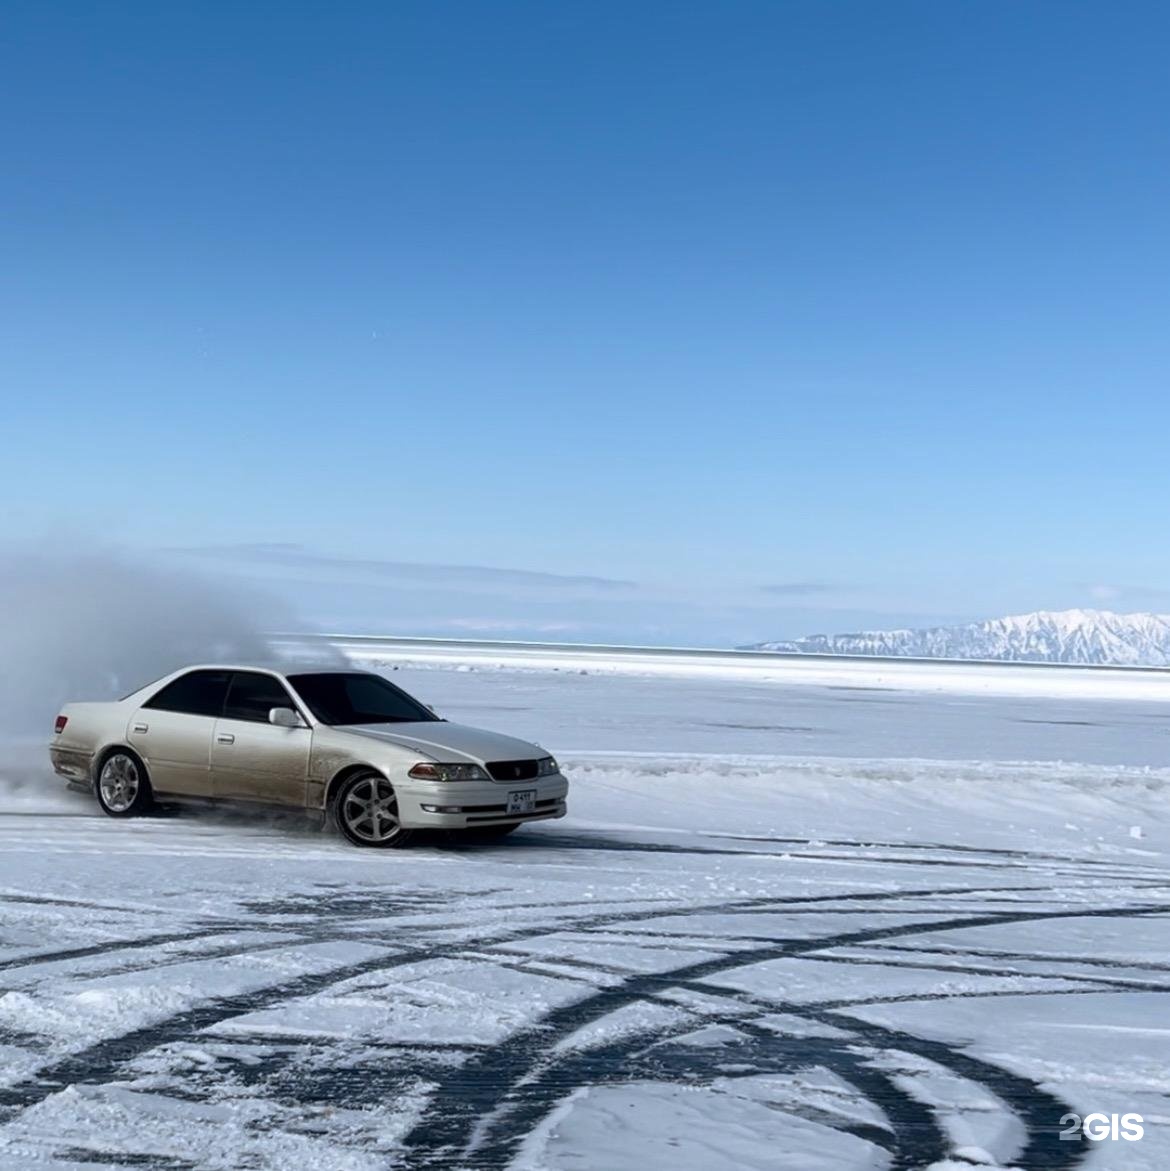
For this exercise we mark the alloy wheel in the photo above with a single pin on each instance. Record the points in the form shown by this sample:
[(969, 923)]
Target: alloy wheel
[(119, 783), (370, 810)]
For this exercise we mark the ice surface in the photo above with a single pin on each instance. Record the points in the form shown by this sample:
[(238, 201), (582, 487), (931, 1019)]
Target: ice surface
[(866, 673), (784, 926)]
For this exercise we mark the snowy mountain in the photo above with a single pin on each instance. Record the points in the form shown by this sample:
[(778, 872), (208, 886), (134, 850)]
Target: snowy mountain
[(1067, 636)]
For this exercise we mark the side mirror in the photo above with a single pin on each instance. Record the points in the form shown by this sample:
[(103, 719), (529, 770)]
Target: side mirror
[(284, 717)]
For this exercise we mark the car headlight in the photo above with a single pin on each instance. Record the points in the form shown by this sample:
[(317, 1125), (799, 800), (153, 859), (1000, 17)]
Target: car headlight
[(547, 767), (432, 771)]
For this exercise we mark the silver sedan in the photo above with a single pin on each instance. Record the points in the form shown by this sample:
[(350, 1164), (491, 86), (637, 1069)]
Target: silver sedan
[(349, 743)]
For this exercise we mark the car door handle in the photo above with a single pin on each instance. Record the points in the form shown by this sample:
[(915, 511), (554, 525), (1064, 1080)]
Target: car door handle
[(139, 728), (225, 738)]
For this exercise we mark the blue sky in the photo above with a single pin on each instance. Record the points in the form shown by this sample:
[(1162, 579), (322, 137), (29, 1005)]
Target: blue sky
[(658, 322)]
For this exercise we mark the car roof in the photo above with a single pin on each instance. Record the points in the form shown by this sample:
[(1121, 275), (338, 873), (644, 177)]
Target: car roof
[(281, 669)]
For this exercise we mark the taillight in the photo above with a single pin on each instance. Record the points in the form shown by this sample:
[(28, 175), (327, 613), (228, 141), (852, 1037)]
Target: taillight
[(59, 726)]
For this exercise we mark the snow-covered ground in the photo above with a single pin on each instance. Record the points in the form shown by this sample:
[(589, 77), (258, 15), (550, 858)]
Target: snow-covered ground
[(802, 925), (1028, 680)]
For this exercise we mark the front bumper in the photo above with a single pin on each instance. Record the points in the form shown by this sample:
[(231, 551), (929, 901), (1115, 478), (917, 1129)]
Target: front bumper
[(467, 804)]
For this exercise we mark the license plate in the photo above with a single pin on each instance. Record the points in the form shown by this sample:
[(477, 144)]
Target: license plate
[(522, 801)]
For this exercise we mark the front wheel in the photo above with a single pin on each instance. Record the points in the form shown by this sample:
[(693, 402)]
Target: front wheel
[(123, 788), (366, 811)]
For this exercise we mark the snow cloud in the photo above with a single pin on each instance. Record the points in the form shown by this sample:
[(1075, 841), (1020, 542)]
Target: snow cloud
[(95, 625)]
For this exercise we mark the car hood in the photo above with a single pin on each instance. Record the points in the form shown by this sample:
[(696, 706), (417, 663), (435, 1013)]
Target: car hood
[(453, 743)]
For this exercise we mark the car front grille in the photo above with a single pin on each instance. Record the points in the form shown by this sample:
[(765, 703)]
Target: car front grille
[(512, 770)]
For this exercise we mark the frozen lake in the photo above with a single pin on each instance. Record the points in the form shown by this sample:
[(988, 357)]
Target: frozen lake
[(808, 926), (860, 719)]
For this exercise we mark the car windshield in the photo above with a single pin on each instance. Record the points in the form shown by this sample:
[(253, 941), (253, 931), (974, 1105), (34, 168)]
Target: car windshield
[(339, 697)]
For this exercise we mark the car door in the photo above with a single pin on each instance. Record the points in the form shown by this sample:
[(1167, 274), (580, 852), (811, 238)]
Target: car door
[(251, 759), (172, 732)]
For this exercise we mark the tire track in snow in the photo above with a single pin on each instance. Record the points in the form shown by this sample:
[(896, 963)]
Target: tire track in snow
[(970, 857), (465, 1120), (101, 1062)]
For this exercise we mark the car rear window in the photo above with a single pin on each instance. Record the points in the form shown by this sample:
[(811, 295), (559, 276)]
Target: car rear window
[(198, 693)]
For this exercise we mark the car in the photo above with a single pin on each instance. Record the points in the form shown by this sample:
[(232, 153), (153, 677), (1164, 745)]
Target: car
[(347, 743)]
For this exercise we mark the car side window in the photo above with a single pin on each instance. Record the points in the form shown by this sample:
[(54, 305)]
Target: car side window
[(198, 693), (252, 696)]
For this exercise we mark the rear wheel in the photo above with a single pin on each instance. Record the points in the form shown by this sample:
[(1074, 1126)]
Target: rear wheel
[(123, 787), (366, 811)]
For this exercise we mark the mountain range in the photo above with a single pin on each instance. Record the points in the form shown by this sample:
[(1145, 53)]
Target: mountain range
[(1067, 636)]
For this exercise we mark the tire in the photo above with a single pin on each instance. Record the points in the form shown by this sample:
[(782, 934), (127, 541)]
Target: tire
[(365, 809), (488, 833), (122, 786)]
